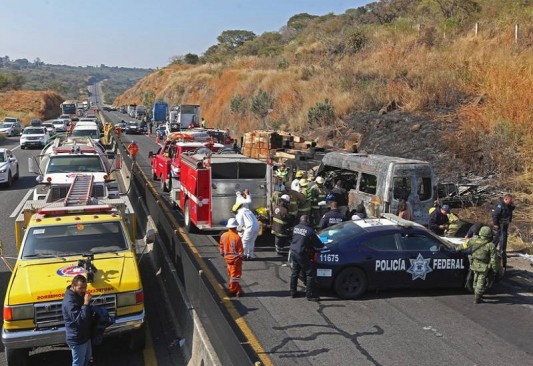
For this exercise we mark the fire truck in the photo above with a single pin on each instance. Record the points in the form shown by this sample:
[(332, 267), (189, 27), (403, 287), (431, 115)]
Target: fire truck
[(165, 162), (208, 183), (56, 241)]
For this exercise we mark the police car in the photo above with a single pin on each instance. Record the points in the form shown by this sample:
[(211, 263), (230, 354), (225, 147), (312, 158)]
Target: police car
[(386, 252)]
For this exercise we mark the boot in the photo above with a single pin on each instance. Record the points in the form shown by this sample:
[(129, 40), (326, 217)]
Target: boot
[(478, 299)]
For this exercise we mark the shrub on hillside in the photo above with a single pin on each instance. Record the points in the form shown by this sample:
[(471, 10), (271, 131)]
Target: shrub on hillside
[(261, 103), (321, 113), (238, 105)]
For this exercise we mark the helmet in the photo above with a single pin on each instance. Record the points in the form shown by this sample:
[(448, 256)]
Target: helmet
[(303, 182), (319, 180), (299, 174), (285, 198), (485, 232), (446, 208), (232, 223), (133, 142)]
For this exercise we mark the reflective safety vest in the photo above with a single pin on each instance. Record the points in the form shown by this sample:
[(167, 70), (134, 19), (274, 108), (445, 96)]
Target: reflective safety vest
[(318, 193), (281, 221)]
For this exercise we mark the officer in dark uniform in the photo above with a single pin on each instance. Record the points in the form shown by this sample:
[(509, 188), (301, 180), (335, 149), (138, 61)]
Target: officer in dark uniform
[(332, 217), (502, 215), (281, 225), (304, 244)]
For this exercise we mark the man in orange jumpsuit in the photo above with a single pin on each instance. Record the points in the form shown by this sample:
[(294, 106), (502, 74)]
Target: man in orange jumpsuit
[(232, 250), (118, 131), (133, 149)]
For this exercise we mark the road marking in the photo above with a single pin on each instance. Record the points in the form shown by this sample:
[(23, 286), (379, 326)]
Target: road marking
[(19, 207), (149, 353)]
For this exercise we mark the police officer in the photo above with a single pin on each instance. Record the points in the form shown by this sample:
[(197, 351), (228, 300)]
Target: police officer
[(281, 225), (438, 220), (483, 259), (332, 217), (502, 215), (304, 244)]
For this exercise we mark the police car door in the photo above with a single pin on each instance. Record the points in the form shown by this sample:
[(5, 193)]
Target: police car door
[(426, 264), (382, 259)]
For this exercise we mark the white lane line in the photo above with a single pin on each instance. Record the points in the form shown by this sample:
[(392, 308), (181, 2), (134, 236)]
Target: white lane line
[(19, 207)]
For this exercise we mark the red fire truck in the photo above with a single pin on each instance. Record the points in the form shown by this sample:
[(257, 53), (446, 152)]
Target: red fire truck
[(208, 182), (165, 162)]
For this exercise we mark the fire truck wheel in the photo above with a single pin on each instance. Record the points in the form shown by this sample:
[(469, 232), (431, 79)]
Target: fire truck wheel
[(154, 175), (189, 226), (164, 186), (17, 356), (137, 339)]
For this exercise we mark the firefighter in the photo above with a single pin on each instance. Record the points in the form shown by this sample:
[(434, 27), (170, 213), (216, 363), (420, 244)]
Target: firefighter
[(281, 224), (295, 184), (297, 201), (318, 196), (282, 173), (305, 205), (232, 250), (118, 131), (133, 149), (248, 227)]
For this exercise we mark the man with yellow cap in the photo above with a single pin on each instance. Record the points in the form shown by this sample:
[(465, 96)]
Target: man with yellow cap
[(295, 184), (305, 206), (318, 200)]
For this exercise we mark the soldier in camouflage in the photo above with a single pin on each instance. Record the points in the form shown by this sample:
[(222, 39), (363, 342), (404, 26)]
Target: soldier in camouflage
[(484, 258)]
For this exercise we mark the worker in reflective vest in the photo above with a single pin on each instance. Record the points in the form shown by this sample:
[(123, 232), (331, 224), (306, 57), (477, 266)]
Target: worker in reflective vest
[(133, 149), (232, 250), (282, 225)]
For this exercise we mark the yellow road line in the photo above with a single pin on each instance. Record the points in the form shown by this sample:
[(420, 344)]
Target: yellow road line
[(149, 353)]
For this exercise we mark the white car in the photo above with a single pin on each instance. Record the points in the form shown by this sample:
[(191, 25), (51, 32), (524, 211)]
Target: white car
[(11, 128), (9, 167), (87, 131), (34, 137), (50, 128), (60, 125)]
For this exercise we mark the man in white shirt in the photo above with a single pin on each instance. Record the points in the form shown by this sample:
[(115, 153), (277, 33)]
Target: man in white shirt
[(295, 184), (248, 229), (244, 198)]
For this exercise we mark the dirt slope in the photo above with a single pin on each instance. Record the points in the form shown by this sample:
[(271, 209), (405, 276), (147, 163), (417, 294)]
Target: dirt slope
[(28, 104)]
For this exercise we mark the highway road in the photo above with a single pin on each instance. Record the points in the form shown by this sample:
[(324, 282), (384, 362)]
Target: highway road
[(162, 346), (437, 327)]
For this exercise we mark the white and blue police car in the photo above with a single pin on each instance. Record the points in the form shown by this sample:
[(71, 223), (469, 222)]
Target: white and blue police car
[(386, 252)]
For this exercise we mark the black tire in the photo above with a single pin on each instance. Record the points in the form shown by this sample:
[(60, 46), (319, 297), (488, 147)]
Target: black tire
[(17, 174), (22, 147), (137, 339), (164, 186), (154, 176), (17, 357), (9, 182), (189, 226), (350, 283)]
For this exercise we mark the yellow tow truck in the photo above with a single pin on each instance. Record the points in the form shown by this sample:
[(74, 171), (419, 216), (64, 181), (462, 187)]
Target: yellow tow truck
[(55, 242)]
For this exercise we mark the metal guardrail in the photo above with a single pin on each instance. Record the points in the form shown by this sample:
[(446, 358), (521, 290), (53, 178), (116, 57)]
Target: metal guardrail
[(180, 263)]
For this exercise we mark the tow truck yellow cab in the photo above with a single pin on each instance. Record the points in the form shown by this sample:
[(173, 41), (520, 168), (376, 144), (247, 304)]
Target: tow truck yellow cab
[(58, 243)]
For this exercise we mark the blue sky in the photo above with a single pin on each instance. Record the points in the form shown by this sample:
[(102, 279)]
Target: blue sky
[(138, 33)]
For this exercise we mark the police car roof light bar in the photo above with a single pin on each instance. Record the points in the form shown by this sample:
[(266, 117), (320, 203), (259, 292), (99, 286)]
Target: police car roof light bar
[(398, 220)]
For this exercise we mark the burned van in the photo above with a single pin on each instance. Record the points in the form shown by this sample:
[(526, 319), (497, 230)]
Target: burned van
[(380, 182)]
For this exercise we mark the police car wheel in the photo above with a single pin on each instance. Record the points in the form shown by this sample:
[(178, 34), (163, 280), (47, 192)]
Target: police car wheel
[(17, 356), (350, 283)]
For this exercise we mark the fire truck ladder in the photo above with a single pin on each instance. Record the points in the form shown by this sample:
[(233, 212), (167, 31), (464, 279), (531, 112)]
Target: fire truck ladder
[(80, 190)]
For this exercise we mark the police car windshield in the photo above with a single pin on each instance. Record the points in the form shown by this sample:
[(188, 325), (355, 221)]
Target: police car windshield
[(339, 232), (74, 239)]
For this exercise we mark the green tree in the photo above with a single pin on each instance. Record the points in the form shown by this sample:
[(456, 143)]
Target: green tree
[(299, 21), (191, 59), (238, 105), (458, 8), (233, 39), (148, 99)]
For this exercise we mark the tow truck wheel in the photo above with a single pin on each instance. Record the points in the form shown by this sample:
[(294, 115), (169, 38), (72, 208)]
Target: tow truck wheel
[(189, 226), (18, 357), (137, 339), (350, 283)]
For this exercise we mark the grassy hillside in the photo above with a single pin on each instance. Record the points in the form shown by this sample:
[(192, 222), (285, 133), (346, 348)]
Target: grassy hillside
[(26, 104)]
